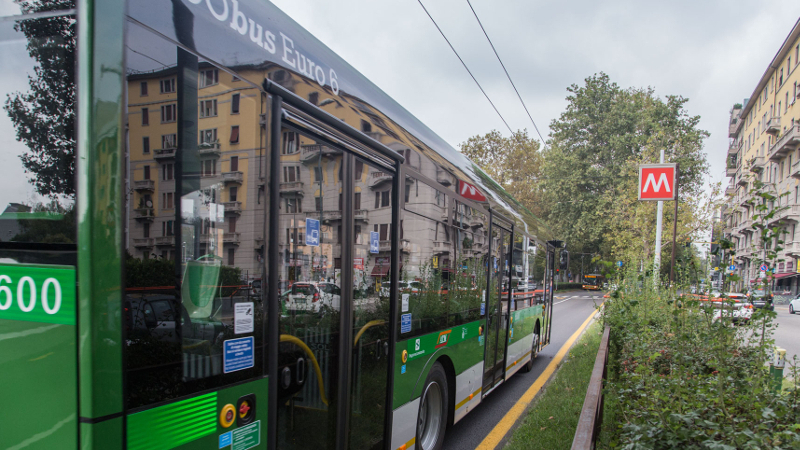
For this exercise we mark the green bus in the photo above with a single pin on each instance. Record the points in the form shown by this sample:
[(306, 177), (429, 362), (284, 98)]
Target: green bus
[(217, 234)]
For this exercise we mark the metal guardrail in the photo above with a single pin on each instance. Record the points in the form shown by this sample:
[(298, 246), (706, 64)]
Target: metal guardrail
[(592, 413)]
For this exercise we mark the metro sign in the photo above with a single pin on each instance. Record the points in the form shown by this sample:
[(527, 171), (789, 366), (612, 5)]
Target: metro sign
[(469, 191), (657, 181)]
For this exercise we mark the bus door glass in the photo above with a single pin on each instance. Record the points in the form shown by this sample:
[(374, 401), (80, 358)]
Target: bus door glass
[(496, 307), (372, 267), (37, 226), (196, 195), (310, 241)]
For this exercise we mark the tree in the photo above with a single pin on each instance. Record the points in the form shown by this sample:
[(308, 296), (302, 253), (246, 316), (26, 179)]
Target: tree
[(44, 117), (590, 167), (514, 162)]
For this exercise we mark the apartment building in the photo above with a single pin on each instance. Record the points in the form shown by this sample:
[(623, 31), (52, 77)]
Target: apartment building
[(764, 134)]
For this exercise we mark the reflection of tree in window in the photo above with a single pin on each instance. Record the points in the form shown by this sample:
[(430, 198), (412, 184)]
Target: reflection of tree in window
[(44, 117)]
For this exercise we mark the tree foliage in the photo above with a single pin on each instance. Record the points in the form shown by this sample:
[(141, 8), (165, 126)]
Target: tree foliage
[(591, 167), (44, 117), (514, 162)]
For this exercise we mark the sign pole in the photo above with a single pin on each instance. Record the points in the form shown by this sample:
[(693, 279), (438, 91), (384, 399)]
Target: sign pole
[(657, 259), (674, 226)]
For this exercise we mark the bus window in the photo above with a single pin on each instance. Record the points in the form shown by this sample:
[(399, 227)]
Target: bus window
[(429, 261), (310, 246), (195, 224), (37, 223)]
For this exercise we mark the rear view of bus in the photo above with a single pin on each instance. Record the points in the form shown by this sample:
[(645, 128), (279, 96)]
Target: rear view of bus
[(216, 234)]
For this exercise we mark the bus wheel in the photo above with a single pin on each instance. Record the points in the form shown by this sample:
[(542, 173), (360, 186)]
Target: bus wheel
[(534, 350), (432, 415)]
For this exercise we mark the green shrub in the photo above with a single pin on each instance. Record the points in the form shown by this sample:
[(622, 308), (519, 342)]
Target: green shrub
[(681, 379)]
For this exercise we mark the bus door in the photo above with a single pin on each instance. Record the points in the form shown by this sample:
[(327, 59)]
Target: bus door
[(335, 246), (496, 308)]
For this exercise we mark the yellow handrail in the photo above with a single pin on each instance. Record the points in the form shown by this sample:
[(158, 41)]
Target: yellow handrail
[(369, 324), (301, 344)]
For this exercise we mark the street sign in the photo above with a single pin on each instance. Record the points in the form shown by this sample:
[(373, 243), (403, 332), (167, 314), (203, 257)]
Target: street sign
[(374, 245), (619, 263), (471, 192), (312, 232), (657, 181), (763, 268)]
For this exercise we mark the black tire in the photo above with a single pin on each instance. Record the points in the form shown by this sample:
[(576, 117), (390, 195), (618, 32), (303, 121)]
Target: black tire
[(433, 410), (791, 310), (534, 349)]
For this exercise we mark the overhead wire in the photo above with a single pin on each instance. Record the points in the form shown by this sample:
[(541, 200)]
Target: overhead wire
[(465, 67), (506, 71)]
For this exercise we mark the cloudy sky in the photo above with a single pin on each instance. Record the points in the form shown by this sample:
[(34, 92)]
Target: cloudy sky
[(711, 51)]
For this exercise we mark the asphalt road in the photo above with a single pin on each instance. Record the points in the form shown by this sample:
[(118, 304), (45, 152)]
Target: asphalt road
[(570, 310), (788, 333)]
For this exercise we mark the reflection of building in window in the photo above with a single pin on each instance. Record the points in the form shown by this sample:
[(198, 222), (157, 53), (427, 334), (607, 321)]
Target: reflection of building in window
[(208, 77)]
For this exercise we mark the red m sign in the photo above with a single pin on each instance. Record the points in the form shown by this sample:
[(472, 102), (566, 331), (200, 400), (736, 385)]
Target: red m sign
[(657, 181)]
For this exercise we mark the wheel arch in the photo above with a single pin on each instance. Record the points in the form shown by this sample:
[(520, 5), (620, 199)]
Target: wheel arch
[(450, 371)]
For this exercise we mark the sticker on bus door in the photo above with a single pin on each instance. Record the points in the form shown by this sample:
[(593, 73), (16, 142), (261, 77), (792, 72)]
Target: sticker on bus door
[(238, 354)]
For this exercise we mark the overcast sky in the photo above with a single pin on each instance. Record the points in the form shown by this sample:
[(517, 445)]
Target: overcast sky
[(712, 52)]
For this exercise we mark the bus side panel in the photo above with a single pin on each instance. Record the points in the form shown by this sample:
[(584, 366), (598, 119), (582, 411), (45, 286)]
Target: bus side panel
[(462, 344), (197, 422), (38, 375), (520, 337)]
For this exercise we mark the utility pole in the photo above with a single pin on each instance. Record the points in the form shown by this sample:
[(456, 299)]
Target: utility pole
[(657, 259), (674, 224)]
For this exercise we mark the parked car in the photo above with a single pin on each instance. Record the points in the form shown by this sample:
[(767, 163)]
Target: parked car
[(794, 305), (310, 296), (759, 299)]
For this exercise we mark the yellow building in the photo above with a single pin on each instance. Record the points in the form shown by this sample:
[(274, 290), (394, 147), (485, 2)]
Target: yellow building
[(764, 136)]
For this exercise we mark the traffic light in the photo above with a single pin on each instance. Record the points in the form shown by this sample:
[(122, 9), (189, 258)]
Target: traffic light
[(564, 262)]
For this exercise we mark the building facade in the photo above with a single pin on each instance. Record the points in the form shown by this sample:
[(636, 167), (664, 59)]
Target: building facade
[(764, 133)]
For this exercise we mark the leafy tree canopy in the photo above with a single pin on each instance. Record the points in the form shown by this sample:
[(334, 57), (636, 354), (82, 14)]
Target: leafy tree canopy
[(514, 162)]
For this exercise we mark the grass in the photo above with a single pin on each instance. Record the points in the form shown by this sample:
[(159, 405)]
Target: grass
[(553, 417)]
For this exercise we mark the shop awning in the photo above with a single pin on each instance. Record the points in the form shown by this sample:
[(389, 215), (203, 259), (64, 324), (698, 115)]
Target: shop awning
[(778, 276), (380, 270)]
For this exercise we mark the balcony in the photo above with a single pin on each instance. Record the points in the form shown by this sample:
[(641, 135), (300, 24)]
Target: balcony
[(787, 214), (163, 154), (733, 147), (144, 214), (232, 207), (730, 170), (232, 177), (774, 125), (292, 187), (786, 143), (792, 248), (312, 152), (143, 242), (209, 149), (230, 238), (729, 191), (144, 185), (441, 247), (362, 215), (165, 241), (376, 178), (757, 164), (328, 216)]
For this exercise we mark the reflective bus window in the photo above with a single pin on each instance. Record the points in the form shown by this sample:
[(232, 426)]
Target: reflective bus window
[(195, 231), (428, 264), (372, 267), (310, 274), (37, 224), (37, 135)]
